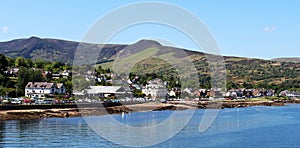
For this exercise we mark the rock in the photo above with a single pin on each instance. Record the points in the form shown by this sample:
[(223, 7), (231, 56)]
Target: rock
[(168, 107), (34, 114)]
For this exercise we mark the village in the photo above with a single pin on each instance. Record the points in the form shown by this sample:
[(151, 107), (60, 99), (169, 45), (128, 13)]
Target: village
[(51, 92), (156, 90)]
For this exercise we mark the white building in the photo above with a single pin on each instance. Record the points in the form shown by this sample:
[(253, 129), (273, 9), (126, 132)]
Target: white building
[(291, 94), (155, 88), (104, 91), (41, 89), (66, 73)]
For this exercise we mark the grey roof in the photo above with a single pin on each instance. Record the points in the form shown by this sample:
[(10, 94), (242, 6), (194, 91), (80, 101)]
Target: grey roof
[(43, 85), (293, 93), (39, 85), (104, 89)]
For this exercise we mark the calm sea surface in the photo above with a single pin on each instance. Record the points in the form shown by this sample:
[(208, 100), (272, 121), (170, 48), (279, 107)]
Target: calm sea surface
[(243, 127)]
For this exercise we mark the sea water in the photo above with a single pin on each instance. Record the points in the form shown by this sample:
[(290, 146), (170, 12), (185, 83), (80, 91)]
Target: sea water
[(258, 126)]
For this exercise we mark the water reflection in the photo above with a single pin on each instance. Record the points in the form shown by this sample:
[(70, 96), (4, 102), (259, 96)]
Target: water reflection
[(2, 126)]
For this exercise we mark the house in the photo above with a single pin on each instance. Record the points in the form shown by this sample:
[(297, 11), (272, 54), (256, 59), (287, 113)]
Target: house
[(66, 73), (12, 71), (56, 76), (214, 93), (42, 89), (129, 81), (156, 88), (200, 93), (188, 91), (134, 86), (263, 92), (257, 93), (248, 93), (175, 92), (232, 93), (291, 94), (172, 93), (89, 75), (104, 91), (196, 93)]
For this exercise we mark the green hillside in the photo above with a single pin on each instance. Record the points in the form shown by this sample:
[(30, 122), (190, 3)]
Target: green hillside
[(149, 59)]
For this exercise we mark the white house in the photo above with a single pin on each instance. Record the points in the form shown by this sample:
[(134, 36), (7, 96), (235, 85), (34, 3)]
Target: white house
[(291, 94), (41, 89), (172, 93), (155, 88), (187, 90), (66, 73), (12, 71)]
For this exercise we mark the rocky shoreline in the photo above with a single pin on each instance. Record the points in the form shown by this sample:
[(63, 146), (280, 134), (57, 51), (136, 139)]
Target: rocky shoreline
[(151, 106)]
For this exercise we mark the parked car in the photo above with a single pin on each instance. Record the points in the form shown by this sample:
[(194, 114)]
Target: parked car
[(48, 101), (39, 102), (6, 101), (69, 101), (16, 101), (27, 101)]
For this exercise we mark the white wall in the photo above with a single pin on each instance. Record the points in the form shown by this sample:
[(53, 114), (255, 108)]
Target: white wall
[(44, 91)]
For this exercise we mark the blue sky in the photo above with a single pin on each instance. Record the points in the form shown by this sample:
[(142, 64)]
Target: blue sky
[(250, 28)]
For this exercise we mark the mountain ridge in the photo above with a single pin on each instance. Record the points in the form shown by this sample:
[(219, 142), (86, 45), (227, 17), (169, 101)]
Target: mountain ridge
[(52, 49), (63, 50), (287, 59)]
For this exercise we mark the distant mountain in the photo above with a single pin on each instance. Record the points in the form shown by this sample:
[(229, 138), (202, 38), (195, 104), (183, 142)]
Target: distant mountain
[(63, 51), (294, 60), (52, 49)]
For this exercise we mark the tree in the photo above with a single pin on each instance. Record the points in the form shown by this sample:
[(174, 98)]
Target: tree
[(69, 86), (23, 78), (3, 80), (20, 61), (39, 63), (2, 91), (38, 76), (80, 84), (107, 70), (10, 62), (29, 63), (3, 63), (231, 85), (57, 65), (138, 93)]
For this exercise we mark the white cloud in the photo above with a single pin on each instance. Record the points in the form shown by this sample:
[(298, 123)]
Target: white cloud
[(4, 29), (270, 29)]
